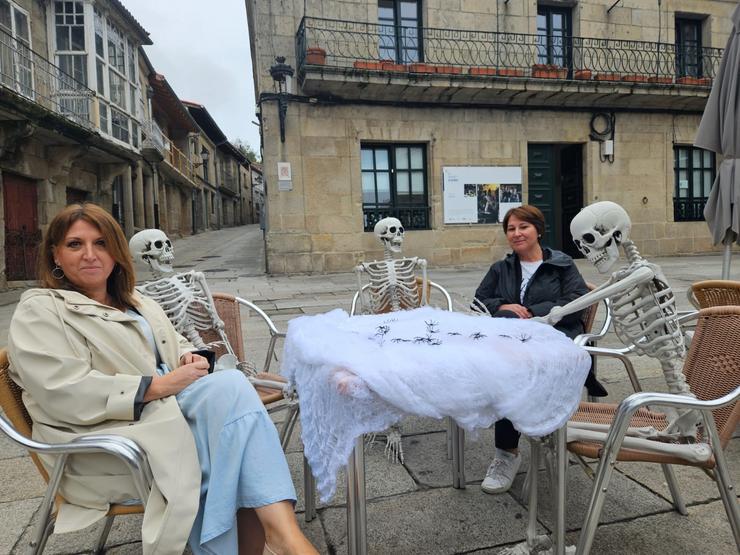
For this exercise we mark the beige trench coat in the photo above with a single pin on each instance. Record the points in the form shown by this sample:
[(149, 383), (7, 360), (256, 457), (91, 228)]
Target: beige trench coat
[(80, 365)]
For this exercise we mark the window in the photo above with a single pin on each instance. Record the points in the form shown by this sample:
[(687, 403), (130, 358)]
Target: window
[(113, 76), (553, 35), (15, 49), (400, 30), (695, 172), (69, 25), (394, 183), (688, 47)]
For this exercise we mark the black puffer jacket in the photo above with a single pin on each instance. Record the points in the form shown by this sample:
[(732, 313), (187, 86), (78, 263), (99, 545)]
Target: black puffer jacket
[(555, 283)]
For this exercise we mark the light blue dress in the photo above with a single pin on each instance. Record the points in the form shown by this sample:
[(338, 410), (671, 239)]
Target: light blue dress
[(240, 456)]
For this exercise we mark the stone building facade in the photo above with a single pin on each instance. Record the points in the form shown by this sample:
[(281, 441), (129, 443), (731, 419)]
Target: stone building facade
[(85, 117), (587, 100)]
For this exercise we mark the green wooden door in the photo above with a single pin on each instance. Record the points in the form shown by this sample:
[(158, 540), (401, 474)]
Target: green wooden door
[(542, 188)]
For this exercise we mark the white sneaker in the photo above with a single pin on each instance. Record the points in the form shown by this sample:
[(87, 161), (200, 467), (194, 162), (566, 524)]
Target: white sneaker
[(501, 472)]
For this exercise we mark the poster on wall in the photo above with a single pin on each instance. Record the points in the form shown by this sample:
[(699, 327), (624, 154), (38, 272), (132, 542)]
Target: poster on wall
[(480, 194)]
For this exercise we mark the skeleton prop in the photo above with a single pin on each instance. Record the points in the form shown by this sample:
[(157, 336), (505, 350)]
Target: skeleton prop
[(393, 286), (645, 319), (186, 299)]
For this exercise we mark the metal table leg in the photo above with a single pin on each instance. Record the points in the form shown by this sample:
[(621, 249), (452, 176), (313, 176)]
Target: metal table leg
[(356, 510), (458, 455), (561, 470)]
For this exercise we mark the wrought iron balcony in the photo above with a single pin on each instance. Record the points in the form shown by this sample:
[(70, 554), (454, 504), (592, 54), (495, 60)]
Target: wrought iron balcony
[(178, 160), (154, 144), (350, 46), (411, 216), (688, 210), (26, 73)]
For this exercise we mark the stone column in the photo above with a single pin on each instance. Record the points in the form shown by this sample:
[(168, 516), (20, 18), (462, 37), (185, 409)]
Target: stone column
[(128, 202), (148, 202), (139, 214)]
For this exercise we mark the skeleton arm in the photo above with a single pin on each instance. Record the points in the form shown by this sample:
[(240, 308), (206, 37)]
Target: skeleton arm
[(610, 288), (424, 300)]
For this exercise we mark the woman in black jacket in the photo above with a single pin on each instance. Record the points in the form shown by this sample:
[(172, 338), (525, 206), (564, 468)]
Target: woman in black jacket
[(528, 282)]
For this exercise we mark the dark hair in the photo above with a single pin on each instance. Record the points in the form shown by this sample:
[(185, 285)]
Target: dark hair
[(527, 213), (121, 280)]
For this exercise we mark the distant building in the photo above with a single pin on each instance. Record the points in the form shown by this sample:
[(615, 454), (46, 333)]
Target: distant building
[(555, 103), (85, 117)]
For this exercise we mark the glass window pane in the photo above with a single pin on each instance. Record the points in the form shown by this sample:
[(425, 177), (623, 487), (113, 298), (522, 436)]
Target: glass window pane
[(707, 159), (21, 26), (5, 14), (683, 178), (697, 189), (402, 158), (384, 187), (368, 188), (402, 185), (366, 159), (417, 183), (708, 179), (417, 158), (62, 38), (381, 159), (409, 10), (683, 158), (100, 74), (696, 158), (78, 38)]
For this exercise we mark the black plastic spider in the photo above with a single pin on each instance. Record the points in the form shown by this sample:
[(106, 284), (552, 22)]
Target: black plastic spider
[(453, 333), (477, 335), (382, 330), (431, 326), (400, 340)]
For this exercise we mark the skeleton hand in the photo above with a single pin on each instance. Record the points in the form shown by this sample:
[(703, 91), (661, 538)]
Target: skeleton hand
[(555, 315), (393, 445)]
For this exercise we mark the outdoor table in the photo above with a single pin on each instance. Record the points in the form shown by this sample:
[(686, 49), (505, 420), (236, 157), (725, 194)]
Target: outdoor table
[(360, 374)]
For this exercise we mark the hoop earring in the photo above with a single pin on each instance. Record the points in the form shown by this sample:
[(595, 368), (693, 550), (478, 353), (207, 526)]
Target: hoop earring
[(55, 270)]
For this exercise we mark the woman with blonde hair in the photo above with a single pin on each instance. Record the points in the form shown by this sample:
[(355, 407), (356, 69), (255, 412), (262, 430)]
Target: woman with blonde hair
[(93, 356)]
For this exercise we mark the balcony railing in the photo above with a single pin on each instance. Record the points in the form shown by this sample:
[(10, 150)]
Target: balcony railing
[(371, 47), (688, 210), (229, 181), (178, 160), (412, 217), (26, 73), (154, 137)]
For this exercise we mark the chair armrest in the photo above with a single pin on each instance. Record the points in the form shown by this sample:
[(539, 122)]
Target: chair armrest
[(620, 354), (275, 334), (125, 449), (631, 404)]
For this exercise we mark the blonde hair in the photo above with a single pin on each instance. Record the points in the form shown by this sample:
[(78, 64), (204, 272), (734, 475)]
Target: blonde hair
[(121, 280)]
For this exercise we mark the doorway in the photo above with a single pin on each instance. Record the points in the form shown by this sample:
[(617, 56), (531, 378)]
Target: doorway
[(22, 233), (556, 188)]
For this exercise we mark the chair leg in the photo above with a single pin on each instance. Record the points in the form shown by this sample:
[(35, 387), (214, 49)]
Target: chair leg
[(449, 423), (670, 478), (103, 537), (41, 535), (287, 429), (309, 492), (724, 483), (598, 496)]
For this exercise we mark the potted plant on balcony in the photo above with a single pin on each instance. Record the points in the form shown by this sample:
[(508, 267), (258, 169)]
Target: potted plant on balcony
[(549, 71), (482, 71), (635, 78), (606, 76), (421, 67), (315, 56), (697, 81), (510, 72), (582, 74), (368, 65)]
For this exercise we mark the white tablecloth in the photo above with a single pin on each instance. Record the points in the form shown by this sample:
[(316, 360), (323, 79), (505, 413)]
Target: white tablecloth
[(360, 374)]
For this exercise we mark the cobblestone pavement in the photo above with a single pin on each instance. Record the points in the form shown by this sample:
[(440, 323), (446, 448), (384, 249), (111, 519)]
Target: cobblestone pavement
[(412, 507)]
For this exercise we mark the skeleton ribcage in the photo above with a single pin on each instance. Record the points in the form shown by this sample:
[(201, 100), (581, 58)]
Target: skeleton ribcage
[(646, 317)]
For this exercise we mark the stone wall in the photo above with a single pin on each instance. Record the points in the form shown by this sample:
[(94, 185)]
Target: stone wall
[(317, 227)]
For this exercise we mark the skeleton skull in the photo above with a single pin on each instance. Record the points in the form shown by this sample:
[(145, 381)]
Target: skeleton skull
[(598, 230), (154, 248), (390, 233)]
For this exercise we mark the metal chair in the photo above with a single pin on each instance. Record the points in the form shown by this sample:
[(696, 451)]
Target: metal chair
[(229, 310), (712, 370), (17, 425), (715, 292)]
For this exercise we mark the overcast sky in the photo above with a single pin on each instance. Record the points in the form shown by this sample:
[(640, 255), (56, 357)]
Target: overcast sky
[(204, 54)]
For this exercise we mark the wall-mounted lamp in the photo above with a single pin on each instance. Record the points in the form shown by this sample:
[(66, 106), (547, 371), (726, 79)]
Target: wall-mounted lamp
[(280, 72), (204, 155)]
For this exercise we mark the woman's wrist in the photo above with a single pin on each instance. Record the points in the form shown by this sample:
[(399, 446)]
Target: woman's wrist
[(155, 389)]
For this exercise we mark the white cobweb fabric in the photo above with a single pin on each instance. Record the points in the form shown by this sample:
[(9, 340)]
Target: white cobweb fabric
[(360, 374)]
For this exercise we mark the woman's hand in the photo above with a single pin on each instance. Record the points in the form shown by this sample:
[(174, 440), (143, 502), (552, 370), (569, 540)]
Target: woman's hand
[(517, 309), (187, 358), (177, 380)]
